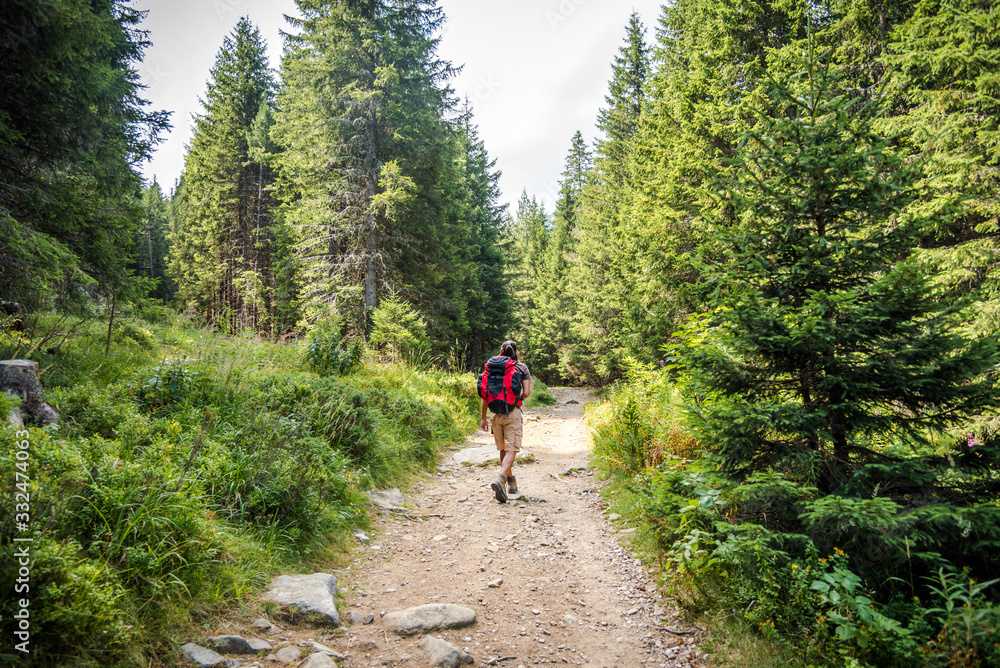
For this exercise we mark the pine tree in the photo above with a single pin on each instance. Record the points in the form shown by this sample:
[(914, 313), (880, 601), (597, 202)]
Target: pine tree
[(365, 143), (825, 335), (72, 128), (221, 256), (945, 65), (555, 353), (152, 245), (598, 287)]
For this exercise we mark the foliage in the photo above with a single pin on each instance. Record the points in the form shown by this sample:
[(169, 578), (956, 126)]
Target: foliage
[(831, 579), (325, 354), (817, 219), (540, 395), (223, 241), (398, 332), (183, 475), (72, 129)]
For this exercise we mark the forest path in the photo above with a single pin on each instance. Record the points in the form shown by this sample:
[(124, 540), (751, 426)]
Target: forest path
[(570, 593)]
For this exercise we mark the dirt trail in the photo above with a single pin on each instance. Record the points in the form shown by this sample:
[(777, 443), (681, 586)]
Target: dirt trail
[(570, 593)]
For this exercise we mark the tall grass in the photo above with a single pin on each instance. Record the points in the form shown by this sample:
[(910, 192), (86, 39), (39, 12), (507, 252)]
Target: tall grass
[(188, 467)]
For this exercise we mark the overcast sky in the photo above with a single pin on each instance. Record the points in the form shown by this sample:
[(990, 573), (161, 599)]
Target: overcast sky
[(535, 71)]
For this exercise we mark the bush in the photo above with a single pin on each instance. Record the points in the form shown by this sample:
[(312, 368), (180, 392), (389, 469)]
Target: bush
[(325, 353)]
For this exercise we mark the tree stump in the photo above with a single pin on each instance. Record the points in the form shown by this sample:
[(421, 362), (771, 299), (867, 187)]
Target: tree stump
[(20, 378)]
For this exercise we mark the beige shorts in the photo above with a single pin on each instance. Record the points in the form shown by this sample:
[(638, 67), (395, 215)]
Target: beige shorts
[(508, 429)]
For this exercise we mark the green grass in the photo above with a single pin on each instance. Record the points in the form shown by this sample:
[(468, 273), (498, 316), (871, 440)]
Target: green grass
[(189, 467)]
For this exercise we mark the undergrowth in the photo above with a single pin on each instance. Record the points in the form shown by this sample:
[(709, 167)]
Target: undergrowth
[(787, 575), (188, 467)]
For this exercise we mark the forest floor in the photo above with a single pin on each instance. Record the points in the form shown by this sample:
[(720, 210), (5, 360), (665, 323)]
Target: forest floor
[(571, 593)]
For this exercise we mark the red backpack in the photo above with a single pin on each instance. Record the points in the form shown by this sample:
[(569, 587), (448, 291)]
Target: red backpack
[(500, 385)]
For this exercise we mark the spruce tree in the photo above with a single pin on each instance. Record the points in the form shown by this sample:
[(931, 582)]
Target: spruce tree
[(73, 127), (528, 238), (153, 246), (944, 63), (824, 334), (555, 353), (490, 302), (599, 290), (221, 256), (366, 149)]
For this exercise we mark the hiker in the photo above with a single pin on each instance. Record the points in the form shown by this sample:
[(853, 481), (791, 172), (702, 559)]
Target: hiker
[(505, 404)]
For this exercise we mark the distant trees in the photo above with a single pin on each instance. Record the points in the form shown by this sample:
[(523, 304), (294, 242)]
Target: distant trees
[(73, 125), (223, 242)]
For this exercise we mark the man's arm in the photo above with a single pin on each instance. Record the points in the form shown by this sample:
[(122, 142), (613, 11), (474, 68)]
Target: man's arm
[(526, 388), (483, 422)]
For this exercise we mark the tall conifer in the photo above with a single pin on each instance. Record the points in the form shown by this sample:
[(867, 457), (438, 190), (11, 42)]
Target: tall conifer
[(223, 245), (824, 333), (361, 120)]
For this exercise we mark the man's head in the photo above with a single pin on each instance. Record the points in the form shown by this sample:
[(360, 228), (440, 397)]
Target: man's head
[(509, 349)]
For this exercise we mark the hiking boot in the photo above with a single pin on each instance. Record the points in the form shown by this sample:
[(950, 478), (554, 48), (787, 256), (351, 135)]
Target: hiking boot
[(498, 486), (511, 485)]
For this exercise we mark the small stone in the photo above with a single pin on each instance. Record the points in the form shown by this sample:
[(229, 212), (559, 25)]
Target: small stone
[(318, 660), (239, 645), (232, 663), (441, 654), (367, 645), (614, 517), (355, 617), (204, 657), (369, 619), (495, 583), (362, 537), (569, 619), (536, 611), (318, 647), (288, 654)]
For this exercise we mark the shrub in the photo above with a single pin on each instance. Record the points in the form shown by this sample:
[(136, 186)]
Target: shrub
[(325, 353)]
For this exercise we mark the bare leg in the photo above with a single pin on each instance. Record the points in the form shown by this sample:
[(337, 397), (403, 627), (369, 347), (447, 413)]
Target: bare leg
[(507, 461)]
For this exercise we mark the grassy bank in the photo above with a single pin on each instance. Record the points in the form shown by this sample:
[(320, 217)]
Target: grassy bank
[(188, 467), (787, 575)]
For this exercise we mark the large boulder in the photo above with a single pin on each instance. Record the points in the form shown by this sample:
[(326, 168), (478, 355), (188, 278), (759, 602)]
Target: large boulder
[(424, 618), (311, 594)]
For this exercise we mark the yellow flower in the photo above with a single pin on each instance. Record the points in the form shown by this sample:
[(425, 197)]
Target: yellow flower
[(837, 550), (822, 561)]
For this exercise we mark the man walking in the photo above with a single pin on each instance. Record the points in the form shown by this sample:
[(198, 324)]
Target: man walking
[(506, 384)]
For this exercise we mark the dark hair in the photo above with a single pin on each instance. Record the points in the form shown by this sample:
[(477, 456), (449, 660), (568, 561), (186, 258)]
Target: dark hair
[(509, 349)]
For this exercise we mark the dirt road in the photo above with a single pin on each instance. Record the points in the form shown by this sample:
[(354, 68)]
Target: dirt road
[(547, 575)]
